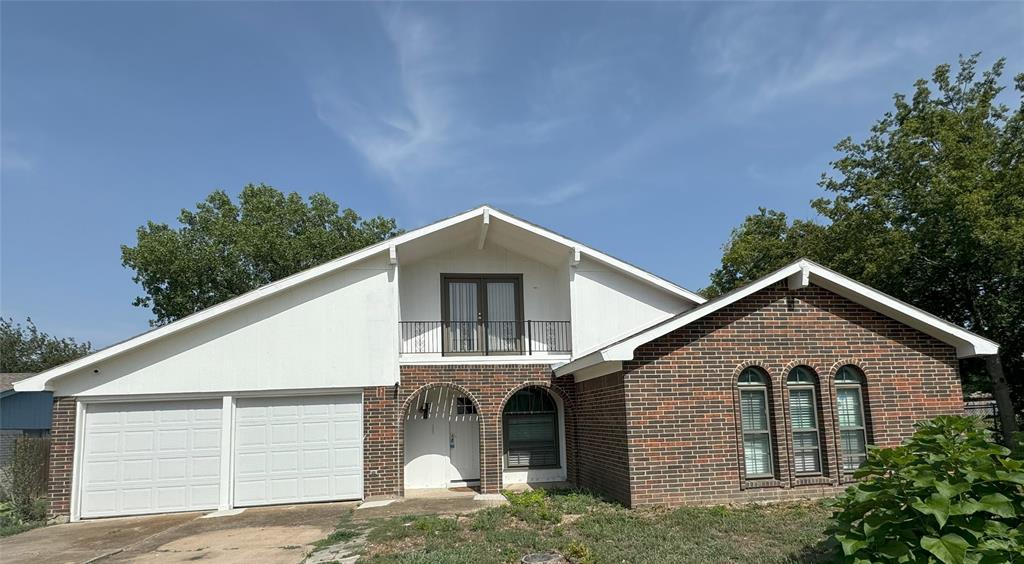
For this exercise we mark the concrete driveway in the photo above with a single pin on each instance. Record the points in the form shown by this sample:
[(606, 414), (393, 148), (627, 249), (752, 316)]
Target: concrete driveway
[(264, 535)]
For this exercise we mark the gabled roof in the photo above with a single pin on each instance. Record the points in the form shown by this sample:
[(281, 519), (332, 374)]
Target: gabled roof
[(800, 274), (41, 381)]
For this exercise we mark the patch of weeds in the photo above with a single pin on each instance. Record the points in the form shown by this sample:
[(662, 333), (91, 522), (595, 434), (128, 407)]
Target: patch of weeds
[(532, 507), (579, 552), (488, 519), (338, 536), (392, 529), (578, 502), (431, 525)]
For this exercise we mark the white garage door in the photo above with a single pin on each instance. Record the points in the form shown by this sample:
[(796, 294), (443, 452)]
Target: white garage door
[(298, 449), (151, 457)]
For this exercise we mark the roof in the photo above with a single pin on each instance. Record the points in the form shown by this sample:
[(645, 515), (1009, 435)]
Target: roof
[(485, 212), (800, 274), (7, 380)]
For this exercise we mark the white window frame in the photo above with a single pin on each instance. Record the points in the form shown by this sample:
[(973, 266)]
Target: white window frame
[(761, 388), (816, 430), (859, 387)]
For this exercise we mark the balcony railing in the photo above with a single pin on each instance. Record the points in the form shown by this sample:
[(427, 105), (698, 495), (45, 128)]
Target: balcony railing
[(486, 337)]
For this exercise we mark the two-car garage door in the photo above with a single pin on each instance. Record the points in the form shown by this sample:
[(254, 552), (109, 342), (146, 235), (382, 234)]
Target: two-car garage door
[(162, 456)]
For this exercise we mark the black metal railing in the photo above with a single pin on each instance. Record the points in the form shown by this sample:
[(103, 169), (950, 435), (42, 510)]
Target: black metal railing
[(486, 337)]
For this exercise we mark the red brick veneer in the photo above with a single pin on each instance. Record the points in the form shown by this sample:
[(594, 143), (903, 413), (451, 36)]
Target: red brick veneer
[(602, 450), (680, 392), (62, 455), (489, 386)]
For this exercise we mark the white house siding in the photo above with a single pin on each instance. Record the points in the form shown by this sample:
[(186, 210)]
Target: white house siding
[(335, 331), (545, 288), (607, 304)]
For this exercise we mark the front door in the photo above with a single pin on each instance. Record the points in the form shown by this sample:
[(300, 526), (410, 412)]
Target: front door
[(464, 444)]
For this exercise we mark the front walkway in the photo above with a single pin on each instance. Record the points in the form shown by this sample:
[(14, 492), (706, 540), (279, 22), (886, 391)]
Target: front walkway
[(454, 501)]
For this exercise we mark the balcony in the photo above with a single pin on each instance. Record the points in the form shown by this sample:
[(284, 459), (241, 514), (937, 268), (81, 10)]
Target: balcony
[(486, 338)]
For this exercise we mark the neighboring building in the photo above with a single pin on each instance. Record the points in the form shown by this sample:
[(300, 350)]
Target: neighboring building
[(21, 413), (487, 351)]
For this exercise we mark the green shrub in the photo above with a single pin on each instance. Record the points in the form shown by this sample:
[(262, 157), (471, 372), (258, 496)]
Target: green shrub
[(532, 506), (948, 495), (26, 478)]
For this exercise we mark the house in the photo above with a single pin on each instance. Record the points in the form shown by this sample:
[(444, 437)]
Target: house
[(483, 350), (21, 414)]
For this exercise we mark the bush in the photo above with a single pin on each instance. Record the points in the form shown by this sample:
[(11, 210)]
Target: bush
[(532, 506), (26, 478), (948, 495)]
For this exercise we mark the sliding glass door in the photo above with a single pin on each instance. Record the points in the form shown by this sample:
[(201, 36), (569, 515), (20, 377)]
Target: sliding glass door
[(482, 314)]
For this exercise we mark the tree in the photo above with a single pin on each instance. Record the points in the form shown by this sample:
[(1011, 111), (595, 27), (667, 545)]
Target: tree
[(929, 208), (27, 349), (222, 249)]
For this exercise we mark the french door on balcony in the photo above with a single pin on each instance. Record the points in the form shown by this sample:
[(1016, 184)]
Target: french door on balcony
[(482, 314)]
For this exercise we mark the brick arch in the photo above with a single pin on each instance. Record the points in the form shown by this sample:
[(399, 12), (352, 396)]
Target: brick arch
[(802, 362), (755, 363), (858, 363), (404, 412), (566, 401)]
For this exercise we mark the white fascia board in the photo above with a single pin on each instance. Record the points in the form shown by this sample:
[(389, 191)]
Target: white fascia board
[(623, 350), (801, 274), (601, 257), (967, 344), (41, 381)]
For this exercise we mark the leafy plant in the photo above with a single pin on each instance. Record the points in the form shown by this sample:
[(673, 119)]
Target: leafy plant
[(948, 495), (532, 506)]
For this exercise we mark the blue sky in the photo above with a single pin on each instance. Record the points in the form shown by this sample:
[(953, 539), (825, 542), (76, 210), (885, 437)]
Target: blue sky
[(645, 130)]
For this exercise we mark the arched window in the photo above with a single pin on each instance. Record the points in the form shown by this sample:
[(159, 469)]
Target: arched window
[(756, 423), (803, 402), (530, 423), (852, 428)]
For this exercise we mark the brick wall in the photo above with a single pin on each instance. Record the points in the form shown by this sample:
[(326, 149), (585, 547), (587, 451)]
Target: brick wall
[(62, 451), (601, 420), (488, 385), (681, 395)]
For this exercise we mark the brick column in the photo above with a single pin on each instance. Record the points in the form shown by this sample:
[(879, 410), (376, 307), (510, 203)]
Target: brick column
[(382, 445), (62, 456)]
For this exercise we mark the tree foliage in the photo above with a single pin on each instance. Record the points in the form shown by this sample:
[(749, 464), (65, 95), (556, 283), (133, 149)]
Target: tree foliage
[(928, 208), (948, 495), (27, 349), (223, 249)]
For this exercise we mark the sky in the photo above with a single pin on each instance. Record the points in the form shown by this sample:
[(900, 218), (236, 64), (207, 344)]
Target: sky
[(645, 130)]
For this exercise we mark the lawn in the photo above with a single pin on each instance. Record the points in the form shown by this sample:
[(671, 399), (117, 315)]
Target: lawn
[(590, 530)]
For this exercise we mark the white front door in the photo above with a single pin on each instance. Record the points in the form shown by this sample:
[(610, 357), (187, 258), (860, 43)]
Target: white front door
[(298, 449), (463, 450), (151, 457)]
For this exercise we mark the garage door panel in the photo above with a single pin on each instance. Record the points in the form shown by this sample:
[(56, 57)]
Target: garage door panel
[(305, 445), (151, 457)]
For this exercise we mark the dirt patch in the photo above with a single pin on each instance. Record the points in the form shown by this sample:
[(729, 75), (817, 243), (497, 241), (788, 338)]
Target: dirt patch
[(266, 545)]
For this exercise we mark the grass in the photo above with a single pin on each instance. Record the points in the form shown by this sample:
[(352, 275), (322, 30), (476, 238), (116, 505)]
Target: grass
[(590, 530)]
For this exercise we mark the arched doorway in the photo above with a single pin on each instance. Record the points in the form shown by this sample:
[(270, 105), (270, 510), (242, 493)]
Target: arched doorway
[(442, 439)]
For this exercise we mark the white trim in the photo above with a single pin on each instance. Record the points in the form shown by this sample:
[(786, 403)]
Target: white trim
[(967, 344), (220, 394), (41, 381), (227, 437), (484, 224), (77, 456), (436, 359)]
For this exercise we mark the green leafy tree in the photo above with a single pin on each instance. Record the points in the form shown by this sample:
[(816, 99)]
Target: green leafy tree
[(948, 495), (27, 349), (223, 249), (929, 208)]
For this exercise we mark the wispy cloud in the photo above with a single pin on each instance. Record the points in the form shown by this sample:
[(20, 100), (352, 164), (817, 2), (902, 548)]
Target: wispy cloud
[(763, 54), (419, 126)]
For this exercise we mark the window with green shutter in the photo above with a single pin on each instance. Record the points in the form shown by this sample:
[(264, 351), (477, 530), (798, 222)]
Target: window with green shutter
[(850, 409), (802, 384), (530, 421), (756, 424)]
